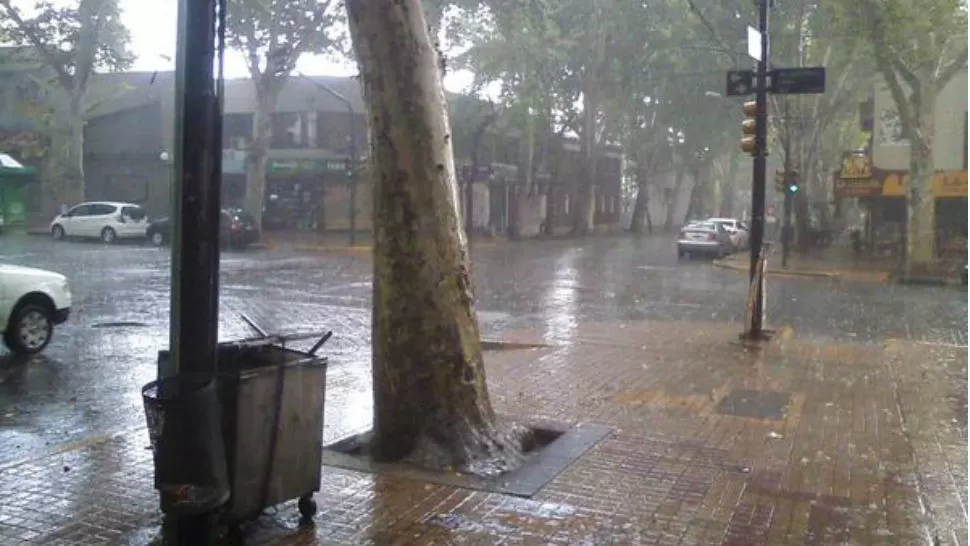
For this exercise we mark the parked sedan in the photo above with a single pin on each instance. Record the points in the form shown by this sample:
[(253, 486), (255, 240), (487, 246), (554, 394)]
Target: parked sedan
[(704, 238), (737, 230), (105, 220), (32, 302), (237, 229)]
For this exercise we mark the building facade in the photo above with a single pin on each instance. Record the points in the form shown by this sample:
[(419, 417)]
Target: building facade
[(318, 125), (309, 176), (879, 178)]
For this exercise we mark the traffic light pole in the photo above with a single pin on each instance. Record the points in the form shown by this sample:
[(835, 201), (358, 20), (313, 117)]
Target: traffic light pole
[(789, 180), (759, 176)]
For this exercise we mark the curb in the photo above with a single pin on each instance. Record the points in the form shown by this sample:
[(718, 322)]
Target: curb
[(780, 272), (927, 281)]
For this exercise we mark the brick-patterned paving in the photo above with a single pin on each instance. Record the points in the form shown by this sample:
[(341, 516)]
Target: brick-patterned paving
[(871, 449)]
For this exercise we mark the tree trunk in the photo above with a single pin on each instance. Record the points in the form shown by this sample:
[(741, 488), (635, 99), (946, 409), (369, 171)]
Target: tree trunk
[(641, 207), (64, 167), (920, 203), (476, 145), (729, 193), (431, 402), (583, 211), (257, 157), (553, 189), (803, 221), (670, 196), (695, 204)]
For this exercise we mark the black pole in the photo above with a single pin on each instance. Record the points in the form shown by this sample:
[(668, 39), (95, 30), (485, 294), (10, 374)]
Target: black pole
[(760, 173), (195, 222), (789, 179)]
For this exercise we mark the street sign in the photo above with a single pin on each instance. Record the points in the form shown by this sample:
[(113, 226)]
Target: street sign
[(754, 43), (740, 82), (797, 81)]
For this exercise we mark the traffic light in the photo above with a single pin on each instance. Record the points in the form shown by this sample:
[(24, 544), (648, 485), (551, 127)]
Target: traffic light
[(749, 143), (794, 182)]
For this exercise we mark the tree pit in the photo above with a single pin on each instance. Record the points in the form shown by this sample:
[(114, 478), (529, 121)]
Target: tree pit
[(547, 450)]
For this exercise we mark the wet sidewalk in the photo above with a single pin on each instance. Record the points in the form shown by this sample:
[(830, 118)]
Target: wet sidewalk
[(709, 443), (833, 263)]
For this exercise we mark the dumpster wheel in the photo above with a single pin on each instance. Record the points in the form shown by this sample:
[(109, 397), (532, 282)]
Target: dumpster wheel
[(307, 506)]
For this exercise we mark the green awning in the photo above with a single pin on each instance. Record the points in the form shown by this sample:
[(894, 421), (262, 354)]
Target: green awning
[(11, 168)]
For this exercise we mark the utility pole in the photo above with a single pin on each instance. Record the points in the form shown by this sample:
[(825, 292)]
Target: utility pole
[(759, 175)]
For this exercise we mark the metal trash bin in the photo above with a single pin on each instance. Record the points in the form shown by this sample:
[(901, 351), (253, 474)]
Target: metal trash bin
[(185, 430), (273, 401)]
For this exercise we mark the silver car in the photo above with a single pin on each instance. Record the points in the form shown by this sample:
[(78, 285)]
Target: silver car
[(704, 239)]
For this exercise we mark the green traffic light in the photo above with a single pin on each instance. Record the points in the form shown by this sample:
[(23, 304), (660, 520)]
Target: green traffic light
[(793, 188)]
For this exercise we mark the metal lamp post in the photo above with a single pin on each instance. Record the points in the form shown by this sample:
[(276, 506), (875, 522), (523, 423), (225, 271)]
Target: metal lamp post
[(352, 127)]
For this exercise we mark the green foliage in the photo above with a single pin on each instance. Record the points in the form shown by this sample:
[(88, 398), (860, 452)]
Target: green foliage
[(273, 34), (72, 40), (909, 34)]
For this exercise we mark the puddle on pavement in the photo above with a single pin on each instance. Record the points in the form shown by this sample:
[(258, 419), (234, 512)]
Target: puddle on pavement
[(524, 519)]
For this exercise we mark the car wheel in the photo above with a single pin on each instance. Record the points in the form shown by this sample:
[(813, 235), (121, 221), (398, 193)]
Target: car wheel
[(57, 232), (30, 329), (108, 235), (157, 238)]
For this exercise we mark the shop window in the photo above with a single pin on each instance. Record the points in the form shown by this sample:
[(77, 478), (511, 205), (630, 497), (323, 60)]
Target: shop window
[(287, 132), (237, 130)]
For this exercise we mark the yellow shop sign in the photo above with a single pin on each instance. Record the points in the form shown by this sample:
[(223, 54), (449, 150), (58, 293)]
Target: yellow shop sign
[(945, 183)]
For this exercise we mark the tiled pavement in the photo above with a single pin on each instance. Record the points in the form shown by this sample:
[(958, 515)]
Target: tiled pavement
[(869, 447)]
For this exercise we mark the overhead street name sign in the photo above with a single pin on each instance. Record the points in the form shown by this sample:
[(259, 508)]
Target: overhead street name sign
[(797, 81), (739, 83)]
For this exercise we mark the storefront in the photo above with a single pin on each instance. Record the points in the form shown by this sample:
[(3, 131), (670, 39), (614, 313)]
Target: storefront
[(296, 189), (14, 181), (882, 193)]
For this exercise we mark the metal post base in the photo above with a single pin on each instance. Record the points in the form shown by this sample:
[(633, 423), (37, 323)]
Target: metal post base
[(758, 336), (198, 530)]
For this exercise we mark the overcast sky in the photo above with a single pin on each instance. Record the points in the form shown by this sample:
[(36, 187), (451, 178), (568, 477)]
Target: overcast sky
[(152, 25), (153, 28)]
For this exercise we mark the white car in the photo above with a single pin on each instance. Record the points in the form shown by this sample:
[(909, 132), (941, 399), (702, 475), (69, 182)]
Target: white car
[(105, 220), (737, 229), (32, 302)]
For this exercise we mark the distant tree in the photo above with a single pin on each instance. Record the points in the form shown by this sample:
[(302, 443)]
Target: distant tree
[(273, 35), (918, 48), (72, 42), (431, 401)]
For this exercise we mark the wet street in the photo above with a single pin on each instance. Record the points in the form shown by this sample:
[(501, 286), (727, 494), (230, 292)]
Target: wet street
[(86, 384)]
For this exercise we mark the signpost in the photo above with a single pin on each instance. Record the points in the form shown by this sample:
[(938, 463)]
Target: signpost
[(761, 81), (798, 81), (754, 44), (740, 83)]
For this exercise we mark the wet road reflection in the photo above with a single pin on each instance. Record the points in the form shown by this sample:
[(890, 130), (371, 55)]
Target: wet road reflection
[(87, 382)]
